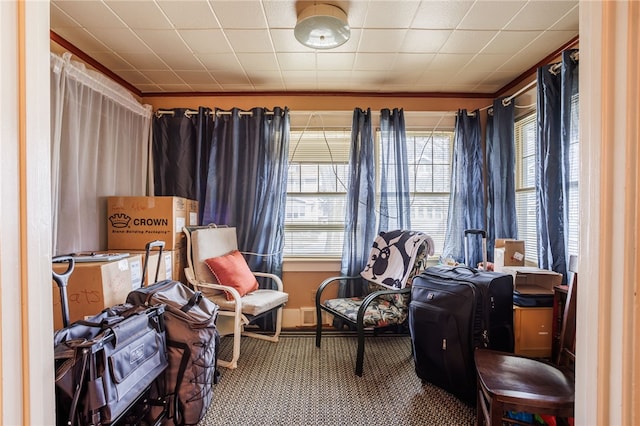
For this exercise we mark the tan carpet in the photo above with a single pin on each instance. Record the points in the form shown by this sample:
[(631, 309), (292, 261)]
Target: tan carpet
[(294, 383)]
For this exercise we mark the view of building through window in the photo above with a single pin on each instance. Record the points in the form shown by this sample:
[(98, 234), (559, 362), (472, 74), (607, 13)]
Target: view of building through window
[(318, 177)]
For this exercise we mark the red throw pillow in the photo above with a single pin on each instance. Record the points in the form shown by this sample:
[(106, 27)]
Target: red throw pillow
[(232, 270)]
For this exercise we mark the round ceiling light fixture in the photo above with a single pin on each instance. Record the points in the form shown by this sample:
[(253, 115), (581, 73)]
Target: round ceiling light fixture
[(322, 26)]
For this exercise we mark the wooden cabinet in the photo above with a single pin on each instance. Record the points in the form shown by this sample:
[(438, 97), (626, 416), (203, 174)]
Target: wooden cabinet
[(533, 331)]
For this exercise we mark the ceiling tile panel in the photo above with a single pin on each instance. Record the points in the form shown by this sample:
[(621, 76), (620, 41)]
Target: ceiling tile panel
[(488, 62), (490, 15), (462, 41), (249, 41), (280, 14), (225, 78), (90, 14), (227, 62), (453, 63), (381, 40), (143, 61), (162, 77), (82, 39), (539, 15), (569, 22), (184, 62), (245, 14), (131, 11), (425, 41), (205, 41), (391, 14), (211, 87), (121, 40), (510, 42), (410, 63), (114, 63), (374, 61), (167, 42), (189, 14), (61, 19), (258, 61), (133, 77), (335, 61), (297, 61), (441, 15), (197, 77)]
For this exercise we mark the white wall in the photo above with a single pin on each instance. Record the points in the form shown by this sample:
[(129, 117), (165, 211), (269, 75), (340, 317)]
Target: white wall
[(26, 341)]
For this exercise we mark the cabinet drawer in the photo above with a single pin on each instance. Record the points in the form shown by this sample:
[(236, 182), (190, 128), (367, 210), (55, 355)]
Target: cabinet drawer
[(533, 329)]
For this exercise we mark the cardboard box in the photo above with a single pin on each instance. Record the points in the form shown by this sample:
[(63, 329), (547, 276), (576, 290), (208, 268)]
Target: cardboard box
[(532, 280), (134, 221), (179, 257), (507, 252), (192, 213), (94, 286), (166, 265)]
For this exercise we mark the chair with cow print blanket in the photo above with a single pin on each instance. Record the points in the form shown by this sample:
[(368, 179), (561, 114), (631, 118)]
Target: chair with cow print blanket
[(395, 258)]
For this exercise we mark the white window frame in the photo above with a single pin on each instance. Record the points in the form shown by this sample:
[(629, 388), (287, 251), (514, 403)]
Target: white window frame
[(314, 249)]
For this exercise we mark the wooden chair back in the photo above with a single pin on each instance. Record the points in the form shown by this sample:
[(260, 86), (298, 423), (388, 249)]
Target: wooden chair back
[(567, 351)]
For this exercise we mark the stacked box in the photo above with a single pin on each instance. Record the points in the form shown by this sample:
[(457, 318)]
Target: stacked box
[(94, 286), (529, 280), (507, 252), (135, 221)]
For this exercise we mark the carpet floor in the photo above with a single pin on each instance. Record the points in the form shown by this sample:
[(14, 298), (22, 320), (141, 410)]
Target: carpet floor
[(294, 383)]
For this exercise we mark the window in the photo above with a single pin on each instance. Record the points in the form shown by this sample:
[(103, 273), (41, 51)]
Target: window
[(574, 161), (316, 193), (318, 177), (429, 155), (525, 139)]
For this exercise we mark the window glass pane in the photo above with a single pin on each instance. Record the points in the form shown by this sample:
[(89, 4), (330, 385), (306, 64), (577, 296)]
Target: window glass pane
[(318, 178), (314, 223), (429, 156), (309, 177), (525, 140), (293, 178)]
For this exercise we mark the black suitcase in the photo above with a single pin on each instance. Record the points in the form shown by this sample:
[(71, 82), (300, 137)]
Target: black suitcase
[(453, 311)]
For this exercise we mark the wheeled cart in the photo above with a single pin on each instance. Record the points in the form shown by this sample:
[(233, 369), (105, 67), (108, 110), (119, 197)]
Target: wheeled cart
[(108, 365)]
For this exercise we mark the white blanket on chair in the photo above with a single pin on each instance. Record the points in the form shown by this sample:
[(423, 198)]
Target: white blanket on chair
[(392, 257)]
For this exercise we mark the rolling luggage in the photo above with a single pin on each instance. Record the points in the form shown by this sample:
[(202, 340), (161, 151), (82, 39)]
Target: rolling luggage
[(192, 343), (453, 311), (108, 365)]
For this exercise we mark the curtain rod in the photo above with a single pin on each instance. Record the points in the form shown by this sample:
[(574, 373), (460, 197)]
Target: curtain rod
[(189, 112), (554, 68)]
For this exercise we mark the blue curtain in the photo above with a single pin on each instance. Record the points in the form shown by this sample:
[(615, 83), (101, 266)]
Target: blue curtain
[(466, 203), (360, 215), (181, 143), (395, 208), (247, 183), (501, 192), (556, 88)]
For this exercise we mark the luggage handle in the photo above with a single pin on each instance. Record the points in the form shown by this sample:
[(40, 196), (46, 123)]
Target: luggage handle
[(62, 279), (466, 268), (480, 232), (148, 247), (483, 235)]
